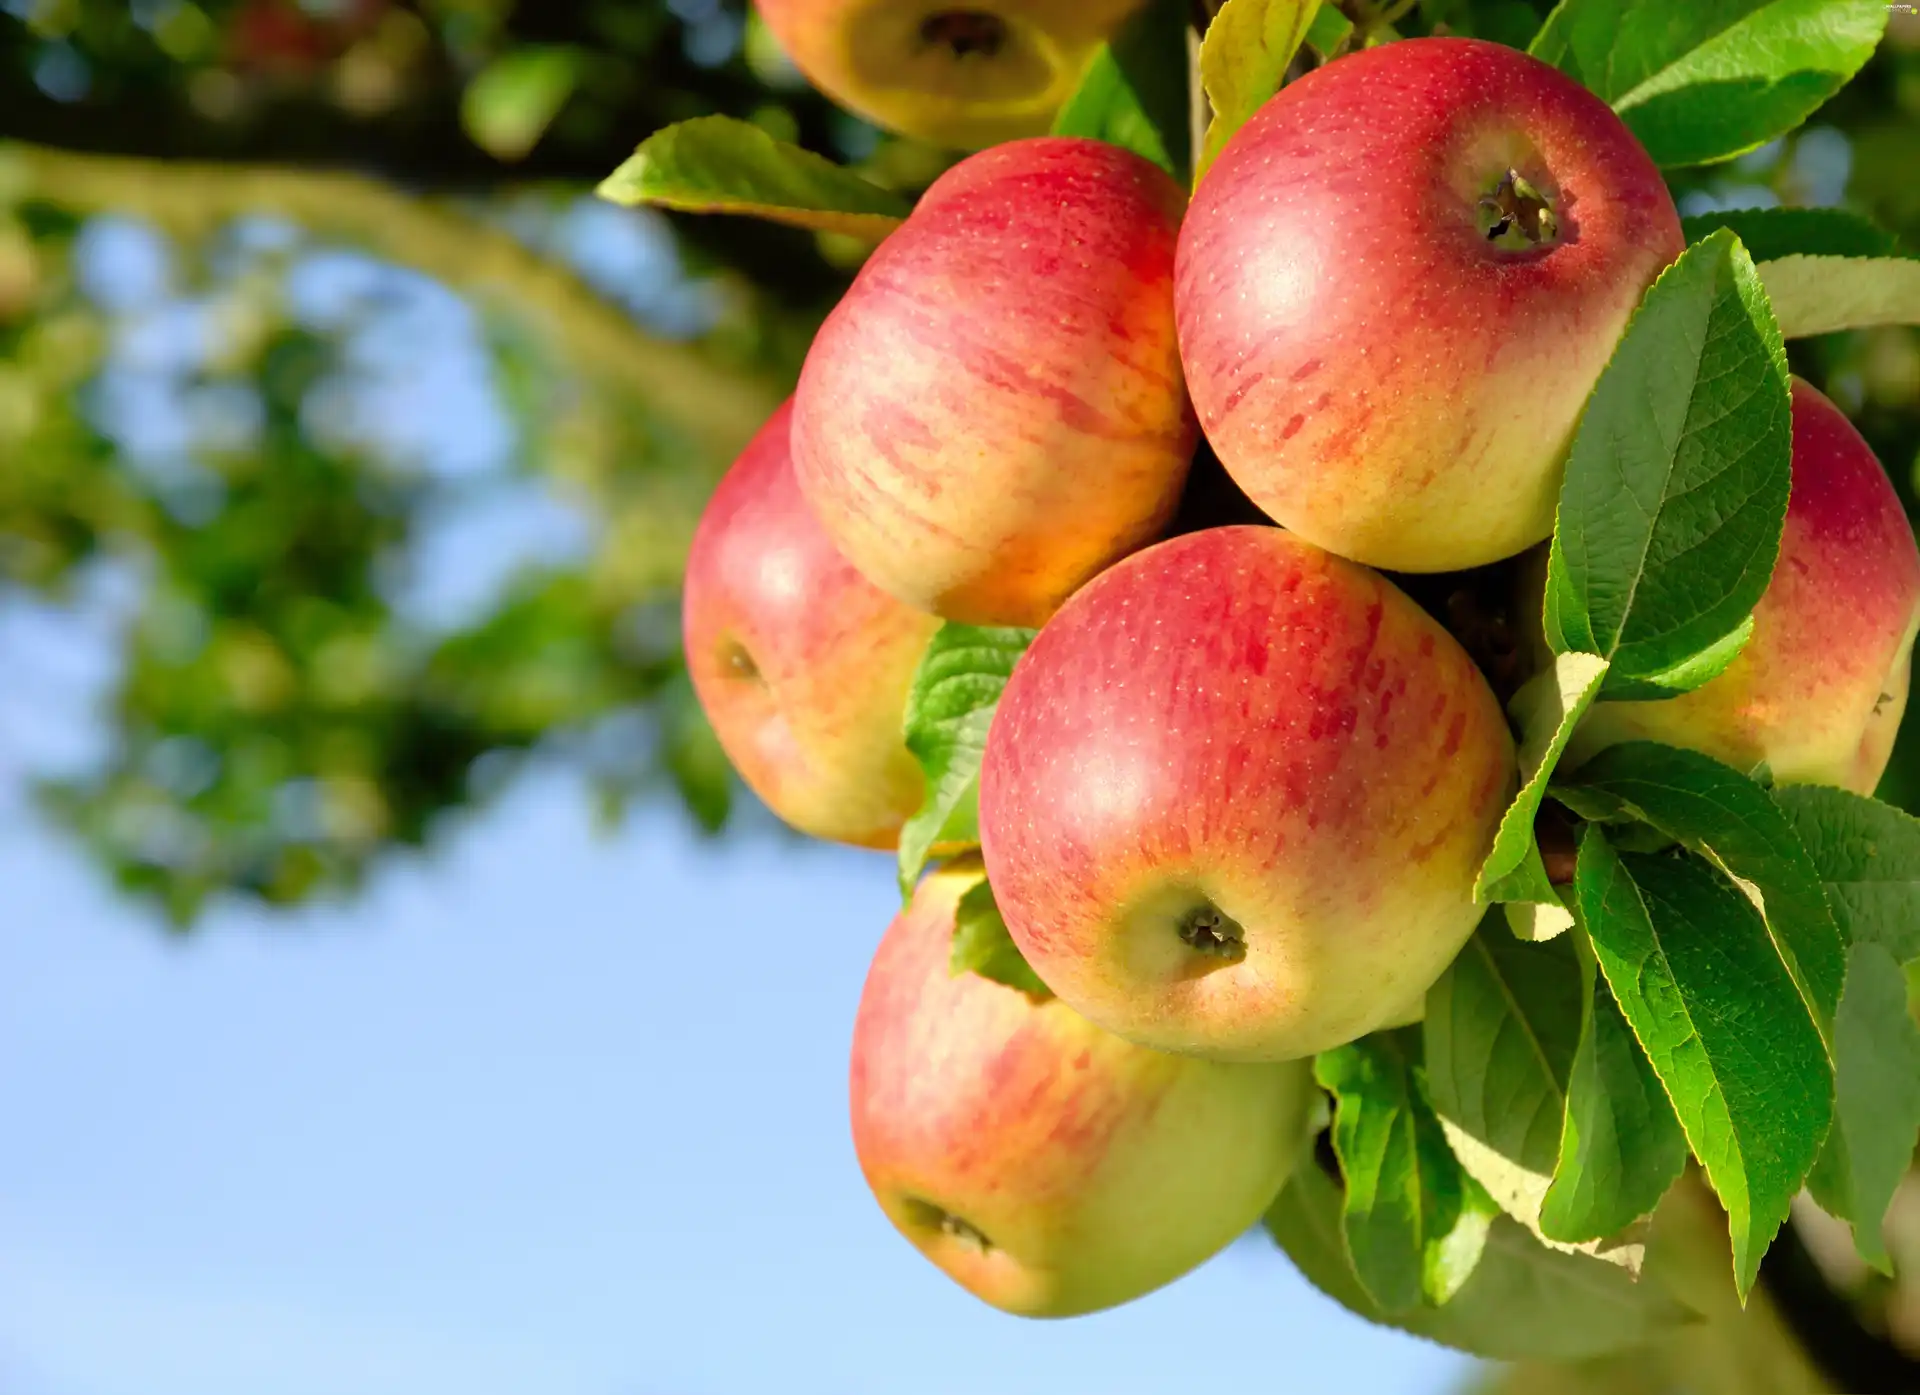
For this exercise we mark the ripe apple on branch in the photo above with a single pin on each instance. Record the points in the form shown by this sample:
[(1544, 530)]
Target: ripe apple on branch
[(1248, 808)]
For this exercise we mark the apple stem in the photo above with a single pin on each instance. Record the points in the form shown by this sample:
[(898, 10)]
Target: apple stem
[(965, 33), (1517, 216), (1212, 931)]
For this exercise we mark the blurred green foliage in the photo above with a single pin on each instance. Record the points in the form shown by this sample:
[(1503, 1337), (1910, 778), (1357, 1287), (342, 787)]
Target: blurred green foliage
[(283, 711)]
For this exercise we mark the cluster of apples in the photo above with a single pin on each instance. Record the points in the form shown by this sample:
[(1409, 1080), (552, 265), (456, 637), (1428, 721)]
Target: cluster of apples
[(1236, 792)]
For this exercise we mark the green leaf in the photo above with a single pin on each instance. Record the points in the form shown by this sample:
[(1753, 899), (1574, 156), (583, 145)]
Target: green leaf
[(1709, 79), (1877, 1100), (1500, 1032), (1548, 709), (1621, 1147), (1244, 59), (1690, 963), (1676, 490), (1510, 22), (1772, 233), (949, 708), (1868, 855), (983, 945), (1819, 295), (1524, 1302), (1501, 1029), (511, 102), (1414, 1221), (1698, 668), (715, 164), (1329, 33), (1135, 92), (1715, 810)]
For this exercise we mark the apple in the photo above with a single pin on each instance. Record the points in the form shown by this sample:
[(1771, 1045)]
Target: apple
[(1397, 286), (1236, 794), (801, 666), (994, 412), (1819, 690), (1047, 1166), (963, 75)]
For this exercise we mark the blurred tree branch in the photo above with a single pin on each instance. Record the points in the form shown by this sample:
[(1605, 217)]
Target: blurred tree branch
[(712, 406)]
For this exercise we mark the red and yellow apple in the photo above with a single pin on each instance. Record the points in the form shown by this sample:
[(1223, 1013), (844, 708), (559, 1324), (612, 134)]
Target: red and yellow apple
[(1047, 1166), (994, 412), (966, 75), (1819, 690), (802, 666), (1236, 794), (1398, 285)]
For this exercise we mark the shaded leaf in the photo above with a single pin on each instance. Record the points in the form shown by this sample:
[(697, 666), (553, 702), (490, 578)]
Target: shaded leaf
[(1868, 856), (1500, 1031), (1621, 1147), (983, 945), (1696, 975), (1819, 295), (1772, 233), (1676, 491), (1329, 33), (1135, 92), (1877, 1100), (1414, 1221), (1524, 1302)]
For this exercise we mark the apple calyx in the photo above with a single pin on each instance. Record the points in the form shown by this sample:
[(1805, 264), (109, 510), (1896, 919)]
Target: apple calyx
[(934, 1217), (1517, 217), (965, 33), (740, 663), (1213, 932)]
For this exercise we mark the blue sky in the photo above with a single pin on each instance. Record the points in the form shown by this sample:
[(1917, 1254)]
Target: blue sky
[(551, 1112)]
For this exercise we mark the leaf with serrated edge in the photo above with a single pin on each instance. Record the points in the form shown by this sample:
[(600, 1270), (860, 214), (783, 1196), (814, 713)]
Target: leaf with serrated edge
[(1243, 60), (1499, 1034), (1771, 233), (1715, 810), (1135, 91), (1519, 1192), (1548, 709), (1698, 669), (1500, 1031), (1710, 79), (1819, 295), (1525, 1302), (1621, 1147), (1688, 959), (1868, 855), (715, 164), (1412, 1222), (1536, 922), (950, 706), (983, 945), (1877, 1101), (1676, 489)]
